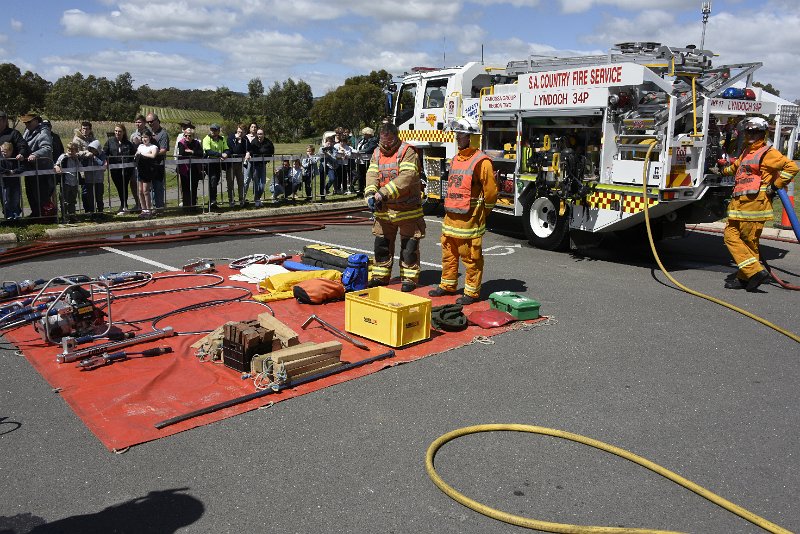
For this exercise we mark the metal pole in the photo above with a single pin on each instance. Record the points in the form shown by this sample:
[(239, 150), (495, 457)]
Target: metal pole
[(705, 9), (264, 392)]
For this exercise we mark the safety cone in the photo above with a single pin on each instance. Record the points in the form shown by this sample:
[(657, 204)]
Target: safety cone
[(785, 222)]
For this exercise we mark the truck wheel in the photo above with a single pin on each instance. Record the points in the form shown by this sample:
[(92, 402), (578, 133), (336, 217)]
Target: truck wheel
[(544, 227)]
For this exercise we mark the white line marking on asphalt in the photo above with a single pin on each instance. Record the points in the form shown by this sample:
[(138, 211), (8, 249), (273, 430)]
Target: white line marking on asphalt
[(140, 258), (437, 221), (427, 264)]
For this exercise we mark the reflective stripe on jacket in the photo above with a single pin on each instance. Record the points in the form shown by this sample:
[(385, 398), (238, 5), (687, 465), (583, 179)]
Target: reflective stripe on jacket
[(458, 198)]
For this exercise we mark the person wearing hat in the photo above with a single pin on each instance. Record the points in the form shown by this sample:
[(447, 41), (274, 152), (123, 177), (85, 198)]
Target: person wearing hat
[(394, 194), (58, 145), (38, 187), (93, 180), (759, 172), (471, 196), (365, 147), (214, 146), (12, 186)]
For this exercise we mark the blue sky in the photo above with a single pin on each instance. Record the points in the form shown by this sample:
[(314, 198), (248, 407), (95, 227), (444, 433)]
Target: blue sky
[(208, 43)]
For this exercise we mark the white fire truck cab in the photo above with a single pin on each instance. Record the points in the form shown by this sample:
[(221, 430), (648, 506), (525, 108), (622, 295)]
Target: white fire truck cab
[(572, 139)]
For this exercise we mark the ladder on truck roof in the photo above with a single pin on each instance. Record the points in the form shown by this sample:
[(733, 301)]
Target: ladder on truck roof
[(641, 53)]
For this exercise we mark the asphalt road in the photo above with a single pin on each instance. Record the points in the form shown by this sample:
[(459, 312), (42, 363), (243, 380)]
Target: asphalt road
[(631, 361)]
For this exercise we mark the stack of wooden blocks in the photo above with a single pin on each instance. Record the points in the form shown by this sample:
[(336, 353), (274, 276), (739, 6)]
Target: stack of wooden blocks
[(302, 360)]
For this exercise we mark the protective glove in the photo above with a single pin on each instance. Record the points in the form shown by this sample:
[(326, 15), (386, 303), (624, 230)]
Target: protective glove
[(771, 191), (723, 162), (378, 201), (371, 204), (715, 170)]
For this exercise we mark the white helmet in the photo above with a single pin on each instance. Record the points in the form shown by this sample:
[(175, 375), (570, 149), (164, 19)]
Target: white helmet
[(464, 125), (756, 123)]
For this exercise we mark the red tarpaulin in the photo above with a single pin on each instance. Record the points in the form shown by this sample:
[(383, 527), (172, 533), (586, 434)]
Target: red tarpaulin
[(121, 402)]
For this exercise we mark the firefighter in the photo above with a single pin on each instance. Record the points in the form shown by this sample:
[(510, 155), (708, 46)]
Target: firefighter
[(759, 172), (393, 193), (471, 195)]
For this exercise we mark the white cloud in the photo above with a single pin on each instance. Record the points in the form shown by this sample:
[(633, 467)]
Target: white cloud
[(391, 61), (315, 10), (724, 35), (269, 49), (153, 21), (146, 67), (580, 6), (16, 25)]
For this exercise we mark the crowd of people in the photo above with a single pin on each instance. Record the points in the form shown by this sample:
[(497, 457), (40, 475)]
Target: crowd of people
[(56, 175)]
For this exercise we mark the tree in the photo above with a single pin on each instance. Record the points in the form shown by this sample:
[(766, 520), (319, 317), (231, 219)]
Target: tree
[(21, 93), (120, 100), (230, 105), (256, 103), (286, 109), (768, 88), (359, 102), (69, 98)]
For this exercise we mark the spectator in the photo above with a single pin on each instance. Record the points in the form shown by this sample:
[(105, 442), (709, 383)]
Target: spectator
[(185, 123), (12, 188), (237, 148), (93, 180), (190, 173), (83, 136), (260, 148), (58, 145), (39, 187), (281, 182), (214, 146), (366, 146), (309, 165), (160, 139), (147, 168), (327, 166), (10, 185), (120, 151), (344, 153), (249, 170), (296, 179), (68, 167), (141, 127)]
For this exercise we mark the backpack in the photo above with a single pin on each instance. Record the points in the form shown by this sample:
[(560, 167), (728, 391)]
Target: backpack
[(318, 291), (356, 274)]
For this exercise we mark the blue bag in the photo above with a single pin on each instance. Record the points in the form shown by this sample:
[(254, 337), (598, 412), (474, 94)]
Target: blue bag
[(356, 274)]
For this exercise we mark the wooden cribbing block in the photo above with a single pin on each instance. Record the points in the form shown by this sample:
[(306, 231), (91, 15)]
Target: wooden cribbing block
[(315, 371), (297, 365), (257, 363), (306, 369), (287, 336), (202, 341), (304, 351)]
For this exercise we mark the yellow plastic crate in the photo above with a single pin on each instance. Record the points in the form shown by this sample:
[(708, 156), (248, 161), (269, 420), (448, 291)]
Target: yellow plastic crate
[(388, 316)]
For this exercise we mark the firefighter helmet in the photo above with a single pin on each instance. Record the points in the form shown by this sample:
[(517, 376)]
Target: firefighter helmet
[(464, 125), (756, 123)]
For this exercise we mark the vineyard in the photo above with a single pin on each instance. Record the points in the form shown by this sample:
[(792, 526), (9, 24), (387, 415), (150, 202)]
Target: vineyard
[(175, 115)]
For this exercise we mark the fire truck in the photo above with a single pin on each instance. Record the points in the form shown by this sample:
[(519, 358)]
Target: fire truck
[(573, 139)]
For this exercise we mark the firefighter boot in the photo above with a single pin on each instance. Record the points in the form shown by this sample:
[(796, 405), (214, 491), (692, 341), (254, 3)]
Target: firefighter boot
[(757, 279)]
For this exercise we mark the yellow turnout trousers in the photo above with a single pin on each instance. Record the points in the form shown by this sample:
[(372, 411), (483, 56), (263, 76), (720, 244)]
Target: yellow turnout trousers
[(471, 253), (741, 238)]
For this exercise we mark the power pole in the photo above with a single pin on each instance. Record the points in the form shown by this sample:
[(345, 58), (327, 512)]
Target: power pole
[(705, 9)]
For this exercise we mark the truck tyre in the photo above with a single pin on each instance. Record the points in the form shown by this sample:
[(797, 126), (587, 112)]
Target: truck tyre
[(544, 227)]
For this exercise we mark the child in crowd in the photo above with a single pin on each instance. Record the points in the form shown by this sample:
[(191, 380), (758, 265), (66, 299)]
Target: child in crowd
[(68, 166), (10, 185), (296, 178), (146, 154), (309, 165), (93, 181)]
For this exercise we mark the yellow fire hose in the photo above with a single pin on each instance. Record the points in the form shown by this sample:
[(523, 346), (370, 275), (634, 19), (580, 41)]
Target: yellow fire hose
[(547, 526)]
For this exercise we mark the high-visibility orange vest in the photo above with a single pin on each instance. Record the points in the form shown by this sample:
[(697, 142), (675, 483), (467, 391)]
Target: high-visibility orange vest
[(459, 183), (389, 166), (748, 175)]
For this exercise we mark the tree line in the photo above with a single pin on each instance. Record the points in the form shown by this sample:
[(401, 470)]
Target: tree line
[(288, 110)]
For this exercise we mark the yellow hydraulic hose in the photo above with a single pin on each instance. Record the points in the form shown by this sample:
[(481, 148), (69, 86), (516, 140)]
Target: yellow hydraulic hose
[(683, 287), (547, 526)]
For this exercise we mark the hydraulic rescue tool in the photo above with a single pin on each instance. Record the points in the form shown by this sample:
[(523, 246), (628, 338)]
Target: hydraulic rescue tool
[(335, 330), (106, 359), (72, 355), (9, 290), (73, 312)]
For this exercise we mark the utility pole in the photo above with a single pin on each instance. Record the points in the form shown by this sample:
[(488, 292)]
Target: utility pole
[(705, 9)]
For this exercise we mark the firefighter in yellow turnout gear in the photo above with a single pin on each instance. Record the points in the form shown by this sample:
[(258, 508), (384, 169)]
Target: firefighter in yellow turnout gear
[(471, 196), (394, 194), (759, 172)]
